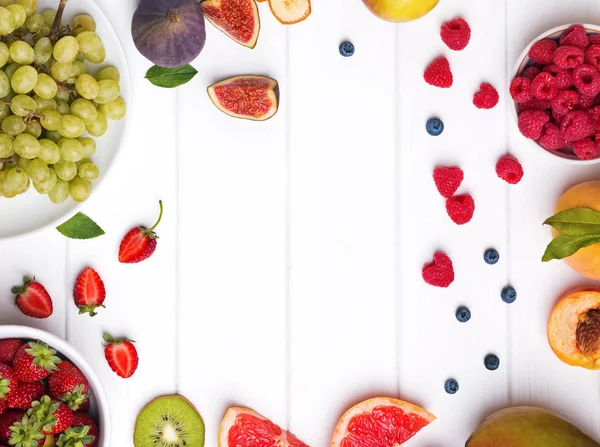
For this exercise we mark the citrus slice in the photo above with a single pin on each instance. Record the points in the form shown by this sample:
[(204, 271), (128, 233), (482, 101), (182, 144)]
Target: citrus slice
[(289, 12), (248, 97), (379, 422), (236, 18), (243, 427)]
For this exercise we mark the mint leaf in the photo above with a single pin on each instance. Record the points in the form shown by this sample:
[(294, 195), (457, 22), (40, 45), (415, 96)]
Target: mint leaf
[(576, 222), (565, 245), (171, 77), (80, 227)]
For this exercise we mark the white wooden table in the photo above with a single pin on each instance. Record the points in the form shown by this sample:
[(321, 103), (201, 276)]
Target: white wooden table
[(287, 276)]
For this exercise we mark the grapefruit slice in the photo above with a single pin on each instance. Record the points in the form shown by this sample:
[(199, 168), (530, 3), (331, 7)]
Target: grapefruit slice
[(248, 97), (289, 12), (379, 422), (243, 427), (237, 18)]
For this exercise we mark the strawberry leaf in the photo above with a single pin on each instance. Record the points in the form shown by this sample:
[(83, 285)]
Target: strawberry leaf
[(80, 227), (565, 245), (576, 222)]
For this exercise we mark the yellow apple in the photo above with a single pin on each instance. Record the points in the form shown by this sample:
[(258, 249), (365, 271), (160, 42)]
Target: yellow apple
[(400, 10)]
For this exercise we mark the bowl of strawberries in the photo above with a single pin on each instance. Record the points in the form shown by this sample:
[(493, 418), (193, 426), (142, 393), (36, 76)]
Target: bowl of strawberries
[(556, 93), (49, 395)]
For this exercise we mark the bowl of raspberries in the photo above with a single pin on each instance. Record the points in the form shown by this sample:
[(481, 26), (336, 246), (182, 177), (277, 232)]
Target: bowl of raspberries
[(49, 396), (556, 93)]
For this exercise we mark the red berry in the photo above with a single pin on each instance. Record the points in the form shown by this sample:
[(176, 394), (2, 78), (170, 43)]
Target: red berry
[(439, 272), (594, 114), (552, 138), (447, 180), (544, 86), (460, 208), (565, 101), (586, 149), (139, 243), (83, 432), (576, 125), (531, 123), (587, 80), (8, 381), (553, 69), (576, 36), (594, 38), (121, 355), (438, 73), (7, 420), (89, 292), (25, 394), (592, 56), (585, 102), (569, 57), (456, 34), (69, 385), (509, 169), (8, 349), (53, 417), (531, 72), (534, 104), (520, 89), (32, 299), (3, 406), (542, 51), (487, 97), (35, 361), (564, 79)]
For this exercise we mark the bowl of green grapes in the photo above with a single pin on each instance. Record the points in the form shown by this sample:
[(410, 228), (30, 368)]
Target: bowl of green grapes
[(64, 93)]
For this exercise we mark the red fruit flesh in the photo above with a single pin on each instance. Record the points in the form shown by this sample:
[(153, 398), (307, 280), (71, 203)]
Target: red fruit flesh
[(8, 349), (32, 299), (236, 18), (121, 355), (139, 243), (89, 292), (248, 97)]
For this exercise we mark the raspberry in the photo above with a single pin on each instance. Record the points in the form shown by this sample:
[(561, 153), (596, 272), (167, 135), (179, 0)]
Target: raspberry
[(534, 104), (531, 123), (447, 180), (456, 34), (594, 39), (520, 89), (460, 208), (576, 125), (544, 86), (594, 114), (509, 169), (487, 97), (557, 119), (575, 36), (542, 51), (439, 272), (564, 79), (551, 138), (585, 102), (569, 57), (586, 149), (438, 73), (592, 56), (587, 80), (531, 72), (552, 69), (565, 101)]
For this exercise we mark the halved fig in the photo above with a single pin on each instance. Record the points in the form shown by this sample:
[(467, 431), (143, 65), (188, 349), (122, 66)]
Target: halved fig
[(289, 12), (249, 97), (237, 18)]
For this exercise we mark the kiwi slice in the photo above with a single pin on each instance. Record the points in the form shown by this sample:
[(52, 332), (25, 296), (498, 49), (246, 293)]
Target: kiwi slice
[(169, 421)]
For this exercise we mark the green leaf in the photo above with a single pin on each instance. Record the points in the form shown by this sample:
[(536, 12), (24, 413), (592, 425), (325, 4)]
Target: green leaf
[(576, 222), (171, 77), (565, 245), (80, 227)]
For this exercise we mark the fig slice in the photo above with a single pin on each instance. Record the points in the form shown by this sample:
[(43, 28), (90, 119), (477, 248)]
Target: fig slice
[(237, 18), (289, 12), (249, 97)]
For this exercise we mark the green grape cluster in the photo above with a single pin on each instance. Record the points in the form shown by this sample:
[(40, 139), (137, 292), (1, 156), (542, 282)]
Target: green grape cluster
[(50, 106)]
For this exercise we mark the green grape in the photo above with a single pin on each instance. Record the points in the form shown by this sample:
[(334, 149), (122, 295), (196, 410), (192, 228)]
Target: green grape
[(70, 149), (5, 3), (26, 187), (34, 128), (89, 146), (60, 192), (61, 71), (63, 108), (109, 73), (42, 50), (3, 183), (24, 79), (71, 126), (65, 170), (10, 70), (63, 95), (35, 23), (23, 105), (44, 104), (22, 163), (21, 52), (4, 85), (89, 42), (87, 86), (4, 110), (84, 109), (6, 145), (89, 171), (45, 87), (98, 127), (49, 151), (19, 14), (16, 180), (30, 6), (49, 16), (4, 54), (53, 136), (7, 21), (115, 110), (38, 171), (13, 125), (83, 23), (78, 69), (66, 49), (27, 146), (96, 57), (51, 119), (80, 189), (108, 90), (46, 187)]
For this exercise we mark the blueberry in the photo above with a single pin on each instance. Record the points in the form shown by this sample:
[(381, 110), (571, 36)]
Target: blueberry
[(491, 362), (347, 49), (451, 386), (434, 127), (509, 294), (491, 256), (463, 314)]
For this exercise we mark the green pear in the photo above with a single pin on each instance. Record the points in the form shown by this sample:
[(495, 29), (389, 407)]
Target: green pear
[(528, 427)]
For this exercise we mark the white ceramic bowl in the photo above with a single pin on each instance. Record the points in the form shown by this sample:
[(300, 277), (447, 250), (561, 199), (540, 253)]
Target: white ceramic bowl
[(522, 62), (33, 212), (99, 402)]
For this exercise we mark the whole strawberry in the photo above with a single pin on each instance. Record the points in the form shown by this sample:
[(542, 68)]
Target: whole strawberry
[(26, 433), (83, 432), (68, 385), (32, 299), (139, 243), (53, 417), (8, 349), (35, 361), (121, 355), (89, 292), (7, 381), (3, 406), (25, 394), (7, 420)]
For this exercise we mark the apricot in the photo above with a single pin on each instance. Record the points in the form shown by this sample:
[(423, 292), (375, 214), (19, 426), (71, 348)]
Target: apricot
[(400, 10), (585, 261)]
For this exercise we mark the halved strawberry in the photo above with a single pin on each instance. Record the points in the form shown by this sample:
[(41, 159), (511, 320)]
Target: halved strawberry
[(139, 243), (35, 361), (89, 292), (33, 299), (69, 385), (8, 349), (51, 416), (121, 355)]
